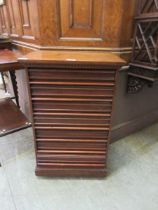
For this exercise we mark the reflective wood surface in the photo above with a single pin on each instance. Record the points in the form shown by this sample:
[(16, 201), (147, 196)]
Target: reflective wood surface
[(92, 57)]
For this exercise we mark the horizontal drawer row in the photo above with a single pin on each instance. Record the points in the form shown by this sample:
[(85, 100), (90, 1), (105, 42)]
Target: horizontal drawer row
[(68, 75), (71, 106), (71, 120), (71, 99), (71, 114), (61, 83), (71, 133), (68, 166), (71, 160), (51, 123), (76, 128), (72, 140), (71, 146), (50, 93), (48, 90)]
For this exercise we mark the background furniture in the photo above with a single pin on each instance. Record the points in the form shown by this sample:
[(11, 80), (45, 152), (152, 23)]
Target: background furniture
[(144, 62), (11, 118), (71, 93)]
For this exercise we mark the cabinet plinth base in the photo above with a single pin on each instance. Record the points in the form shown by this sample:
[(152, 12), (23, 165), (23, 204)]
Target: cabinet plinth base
[(70, 172)]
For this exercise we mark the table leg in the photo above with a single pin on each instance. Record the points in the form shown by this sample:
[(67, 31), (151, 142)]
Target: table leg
[(15, 88), (4, 85)]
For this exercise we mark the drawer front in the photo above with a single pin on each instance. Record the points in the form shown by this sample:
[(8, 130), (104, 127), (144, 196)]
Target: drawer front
[(54, 145), (72, 116), (70, 132), (64, 160), (72, 106), (48, 91), (71, 75)]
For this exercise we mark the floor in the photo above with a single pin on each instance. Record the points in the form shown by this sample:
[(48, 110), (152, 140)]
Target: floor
[(132, 182)]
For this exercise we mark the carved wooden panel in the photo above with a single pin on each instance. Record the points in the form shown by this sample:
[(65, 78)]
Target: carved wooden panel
[(4, 20), (81, 19), (25, 17), (29, 18), (15, 21), (71, 23), (86, 23)]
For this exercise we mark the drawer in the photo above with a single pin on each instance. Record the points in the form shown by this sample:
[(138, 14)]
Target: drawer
[(72, 106), (74, 166), (59, 79), (65, 91), (81, 127), (72, 146), (76, 121), (71, 133), (70, 120), (76, 159), (71, 75)]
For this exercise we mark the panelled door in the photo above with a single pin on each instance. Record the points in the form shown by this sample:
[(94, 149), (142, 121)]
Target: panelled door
[(81, 23)]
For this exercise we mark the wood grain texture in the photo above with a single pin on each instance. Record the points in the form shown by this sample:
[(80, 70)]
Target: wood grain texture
[(69, 57), (97, 23), (65, 24), (28, 16), (5, 20), (15, 20), (71, 110), (81, 20)]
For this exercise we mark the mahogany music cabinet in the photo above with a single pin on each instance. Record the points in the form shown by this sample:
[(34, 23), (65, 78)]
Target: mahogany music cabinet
[(71, 95)]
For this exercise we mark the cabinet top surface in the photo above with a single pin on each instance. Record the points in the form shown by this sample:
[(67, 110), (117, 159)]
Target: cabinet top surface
[(83, 57)]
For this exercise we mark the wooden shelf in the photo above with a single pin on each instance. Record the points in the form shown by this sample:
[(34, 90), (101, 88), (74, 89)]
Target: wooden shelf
[(12, 119)]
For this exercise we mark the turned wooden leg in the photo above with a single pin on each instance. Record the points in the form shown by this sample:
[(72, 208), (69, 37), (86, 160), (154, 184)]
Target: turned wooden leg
[(15, 88)]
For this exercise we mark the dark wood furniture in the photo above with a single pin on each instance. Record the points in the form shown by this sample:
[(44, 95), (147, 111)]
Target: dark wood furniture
[(144, 62), (71, 93), (11, 118), (5, 43), (8, 62)]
